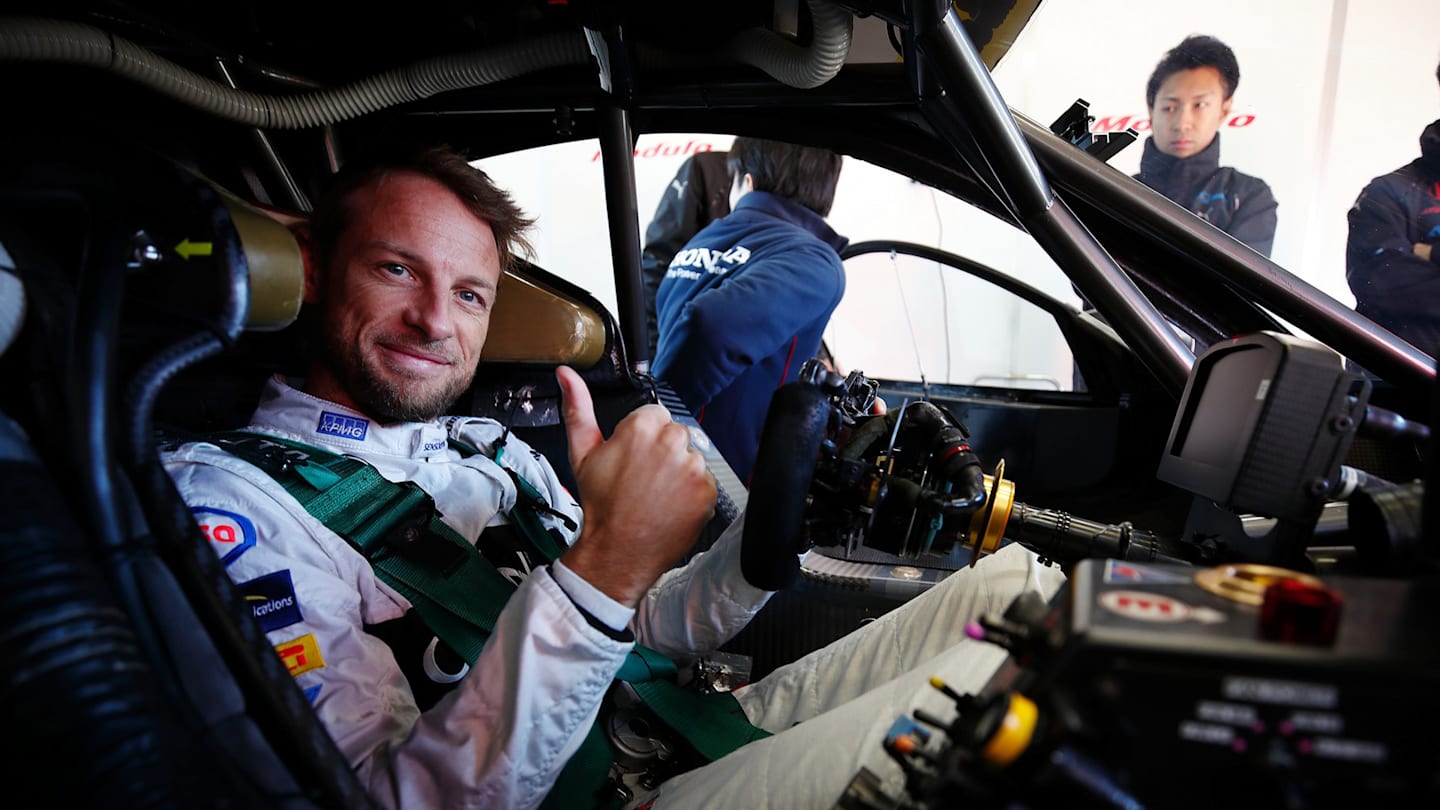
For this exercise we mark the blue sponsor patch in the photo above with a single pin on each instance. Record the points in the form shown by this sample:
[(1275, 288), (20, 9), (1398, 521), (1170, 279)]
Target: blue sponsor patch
[(272, 599), (1434, 233), (346, 427), (433, 447), (1205, 199), (230, 534), (312, 692)]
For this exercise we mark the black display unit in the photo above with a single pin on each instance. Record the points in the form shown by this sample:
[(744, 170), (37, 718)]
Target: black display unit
[(1262, 428)]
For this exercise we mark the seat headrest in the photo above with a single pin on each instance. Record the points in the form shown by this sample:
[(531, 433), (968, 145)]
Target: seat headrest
[(276, 263), (533, 323)]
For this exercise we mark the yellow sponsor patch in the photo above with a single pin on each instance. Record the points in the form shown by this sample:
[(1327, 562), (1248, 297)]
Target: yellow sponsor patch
[(301, 655)]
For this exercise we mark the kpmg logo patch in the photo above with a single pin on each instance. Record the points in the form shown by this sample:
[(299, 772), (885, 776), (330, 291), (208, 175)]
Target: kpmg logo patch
[(346, 427), (272, 599), (230, 534)]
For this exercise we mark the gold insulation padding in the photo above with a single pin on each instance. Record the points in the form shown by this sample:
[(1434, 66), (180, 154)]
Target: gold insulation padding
[(872, 496), (532, 323), (987, 525), (276, 266), (995, 42)]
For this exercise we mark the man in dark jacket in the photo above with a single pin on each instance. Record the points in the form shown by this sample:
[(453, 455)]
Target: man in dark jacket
[(1391, 260), (1189, 96), (699, 195), (746, 302)]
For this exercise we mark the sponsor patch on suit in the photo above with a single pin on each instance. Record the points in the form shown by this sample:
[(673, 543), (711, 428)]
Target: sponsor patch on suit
[(301, 655), (230, 534), (272, 600), (346, 427)]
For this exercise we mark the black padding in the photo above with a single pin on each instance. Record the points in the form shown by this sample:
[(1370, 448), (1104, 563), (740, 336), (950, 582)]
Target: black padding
[(784, 467), (80, 696)]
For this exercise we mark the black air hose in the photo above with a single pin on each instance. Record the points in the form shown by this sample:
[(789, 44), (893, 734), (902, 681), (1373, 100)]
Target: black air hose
[(865, 436), (922, 419), (80, 698), (40, 40), (145, 387), (953, 460)]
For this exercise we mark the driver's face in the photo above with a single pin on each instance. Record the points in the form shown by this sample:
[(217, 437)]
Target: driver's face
[(405, 301)]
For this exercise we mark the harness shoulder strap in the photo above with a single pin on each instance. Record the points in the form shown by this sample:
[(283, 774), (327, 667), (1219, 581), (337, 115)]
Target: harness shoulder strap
[(395, 527)]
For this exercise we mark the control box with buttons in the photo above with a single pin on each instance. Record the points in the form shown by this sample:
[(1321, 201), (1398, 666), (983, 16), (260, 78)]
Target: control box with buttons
[(1238, 685)]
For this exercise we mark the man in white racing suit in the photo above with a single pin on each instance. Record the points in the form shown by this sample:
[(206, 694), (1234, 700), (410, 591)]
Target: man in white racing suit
[(406, 256)]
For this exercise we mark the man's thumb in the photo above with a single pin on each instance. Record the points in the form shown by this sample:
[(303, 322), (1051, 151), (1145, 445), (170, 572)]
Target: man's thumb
[(578, 411)]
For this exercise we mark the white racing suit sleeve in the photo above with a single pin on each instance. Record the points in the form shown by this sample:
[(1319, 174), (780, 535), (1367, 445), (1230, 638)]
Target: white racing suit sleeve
[(498, 740), (692, 610)]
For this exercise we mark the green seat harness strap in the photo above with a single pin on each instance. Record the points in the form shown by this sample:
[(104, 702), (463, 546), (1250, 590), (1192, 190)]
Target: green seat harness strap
[(459, 593), (393, 525), (713, 724)]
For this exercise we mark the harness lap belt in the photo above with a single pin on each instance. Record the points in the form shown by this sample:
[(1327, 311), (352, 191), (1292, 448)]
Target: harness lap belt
[(459, 594)]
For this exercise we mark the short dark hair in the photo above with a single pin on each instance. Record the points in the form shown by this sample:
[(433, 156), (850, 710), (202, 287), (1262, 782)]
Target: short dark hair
[(1196, 51), (442, 164), (805, 174)]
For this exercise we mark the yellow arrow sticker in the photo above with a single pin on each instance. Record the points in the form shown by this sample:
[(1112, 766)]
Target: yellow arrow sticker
[(186, 249)]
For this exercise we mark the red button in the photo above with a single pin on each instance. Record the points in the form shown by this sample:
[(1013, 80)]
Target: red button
[(1300, 613)]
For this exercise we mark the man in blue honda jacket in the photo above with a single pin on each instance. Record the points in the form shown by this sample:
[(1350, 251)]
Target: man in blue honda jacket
[(745, 303)]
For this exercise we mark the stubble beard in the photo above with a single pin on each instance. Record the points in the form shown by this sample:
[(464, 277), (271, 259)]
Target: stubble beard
[(390, 398)]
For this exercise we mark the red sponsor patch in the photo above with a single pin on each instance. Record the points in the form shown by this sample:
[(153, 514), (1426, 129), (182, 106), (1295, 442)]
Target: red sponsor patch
[(230, 534)]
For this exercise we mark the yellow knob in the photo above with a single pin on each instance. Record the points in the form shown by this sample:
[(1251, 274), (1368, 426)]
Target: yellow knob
[(1014, 734)]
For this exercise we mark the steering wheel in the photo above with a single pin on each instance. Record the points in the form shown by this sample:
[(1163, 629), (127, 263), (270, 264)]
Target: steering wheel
[(784, 468)]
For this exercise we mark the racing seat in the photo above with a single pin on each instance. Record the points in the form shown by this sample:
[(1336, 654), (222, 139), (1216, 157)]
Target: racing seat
[(130, 663)]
